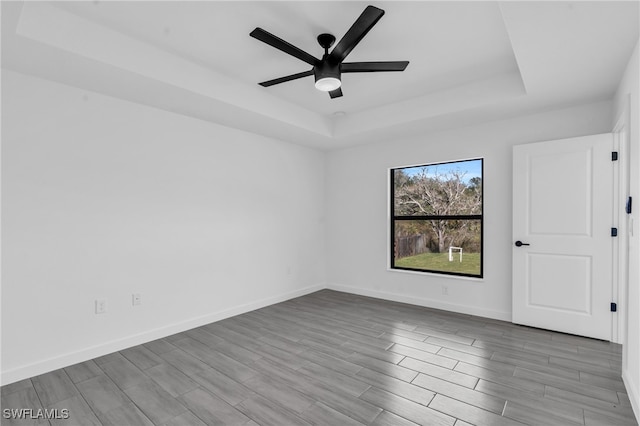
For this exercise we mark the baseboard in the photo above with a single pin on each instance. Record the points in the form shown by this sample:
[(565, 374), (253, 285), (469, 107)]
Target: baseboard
[(633, 392), (429, 303), (71, 358)]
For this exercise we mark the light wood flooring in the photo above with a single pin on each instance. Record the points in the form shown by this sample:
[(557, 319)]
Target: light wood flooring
[(337, 359)]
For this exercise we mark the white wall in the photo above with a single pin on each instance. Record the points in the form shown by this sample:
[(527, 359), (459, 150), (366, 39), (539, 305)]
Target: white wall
[(357, 206), (103, 198), (626, 107)]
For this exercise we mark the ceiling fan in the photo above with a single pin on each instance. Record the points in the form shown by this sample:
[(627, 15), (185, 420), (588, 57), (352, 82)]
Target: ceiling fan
[(328, 70)]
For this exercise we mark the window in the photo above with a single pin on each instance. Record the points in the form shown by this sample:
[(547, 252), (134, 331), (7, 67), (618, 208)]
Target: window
[(436, 218)]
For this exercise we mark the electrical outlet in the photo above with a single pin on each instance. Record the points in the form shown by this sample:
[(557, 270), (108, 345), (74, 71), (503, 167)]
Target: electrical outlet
[(445, 290), (101, 306), (136, 299)]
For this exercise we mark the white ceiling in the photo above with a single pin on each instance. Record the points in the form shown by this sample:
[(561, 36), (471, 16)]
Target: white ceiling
[(469, 61)]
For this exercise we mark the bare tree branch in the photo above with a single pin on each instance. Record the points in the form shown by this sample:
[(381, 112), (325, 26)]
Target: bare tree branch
[(439, 194)]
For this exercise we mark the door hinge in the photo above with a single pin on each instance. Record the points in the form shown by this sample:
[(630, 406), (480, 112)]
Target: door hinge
[(614, 307), (614, 232), (614, 156)]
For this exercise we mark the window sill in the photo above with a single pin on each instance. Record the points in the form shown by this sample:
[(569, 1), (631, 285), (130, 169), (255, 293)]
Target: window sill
[(435, 274)]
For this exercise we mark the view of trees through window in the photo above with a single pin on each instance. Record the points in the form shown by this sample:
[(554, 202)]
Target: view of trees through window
[(436, 218)]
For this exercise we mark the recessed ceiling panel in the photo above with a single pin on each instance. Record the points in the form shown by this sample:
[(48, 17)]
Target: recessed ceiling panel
[(447, 43), (469, 61)]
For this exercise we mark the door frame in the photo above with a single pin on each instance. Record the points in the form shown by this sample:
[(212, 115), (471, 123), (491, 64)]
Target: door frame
[(620, 278)]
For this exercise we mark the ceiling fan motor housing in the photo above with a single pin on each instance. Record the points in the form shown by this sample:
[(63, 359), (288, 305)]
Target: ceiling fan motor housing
[(325, 69)]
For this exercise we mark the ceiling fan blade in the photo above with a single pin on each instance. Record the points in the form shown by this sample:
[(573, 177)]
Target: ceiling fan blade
[(336, 93), (358, 30), (374, 66), (282, 45), (286, 78)]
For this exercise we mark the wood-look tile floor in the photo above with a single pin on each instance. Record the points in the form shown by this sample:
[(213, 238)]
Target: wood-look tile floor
[(336, 359)]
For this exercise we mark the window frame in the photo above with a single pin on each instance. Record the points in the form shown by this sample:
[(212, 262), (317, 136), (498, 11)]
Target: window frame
[(393, 218)]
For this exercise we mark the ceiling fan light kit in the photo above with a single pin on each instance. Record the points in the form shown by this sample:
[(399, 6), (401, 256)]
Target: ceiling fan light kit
[(328, 84), (328, 71), (327, 76)]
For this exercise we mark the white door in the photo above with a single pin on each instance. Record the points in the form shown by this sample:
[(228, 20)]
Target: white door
[(562, 243)]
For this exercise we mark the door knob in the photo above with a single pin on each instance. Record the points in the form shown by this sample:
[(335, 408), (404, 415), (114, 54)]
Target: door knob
[(520, 244)]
